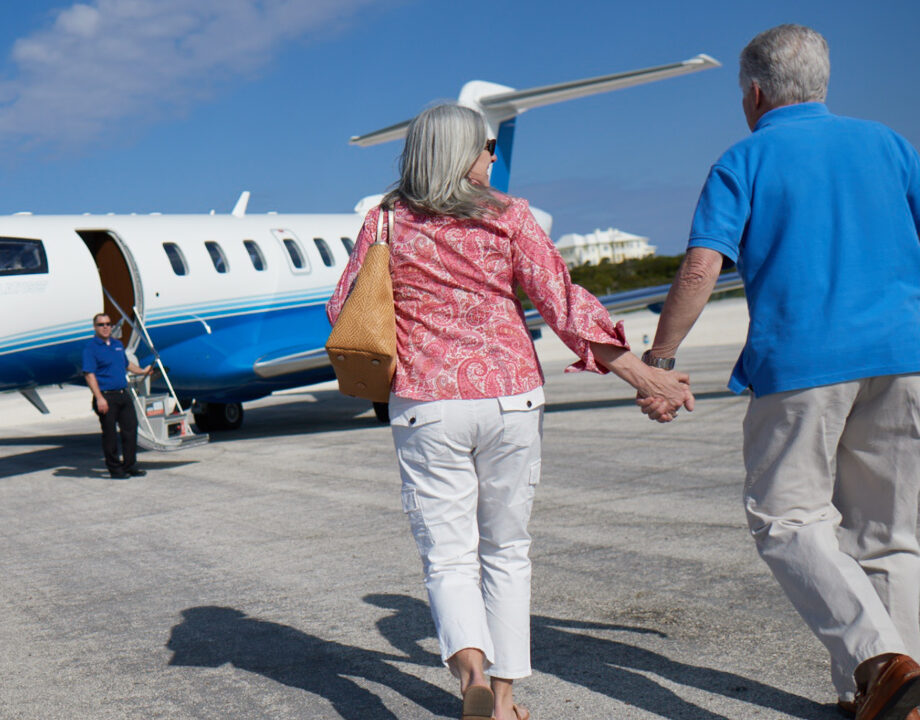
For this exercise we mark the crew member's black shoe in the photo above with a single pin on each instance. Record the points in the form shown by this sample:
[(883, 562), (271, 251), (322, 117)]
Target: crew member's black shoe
[(118, 474), (136, 472)]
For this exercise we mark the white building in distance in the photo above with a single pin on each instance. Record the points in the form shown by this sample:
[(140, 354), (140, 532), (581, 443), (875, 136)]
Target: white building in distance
[(610, 244)]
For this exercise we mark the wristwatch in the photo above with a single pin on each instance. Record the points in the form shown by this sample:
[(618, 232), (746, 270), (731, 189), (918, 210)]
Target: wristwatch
[(663, 363)]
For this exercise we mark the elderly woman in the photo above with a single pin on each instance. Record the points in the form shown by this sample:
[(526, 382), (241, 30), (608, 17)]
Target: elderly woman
[(466, 407)]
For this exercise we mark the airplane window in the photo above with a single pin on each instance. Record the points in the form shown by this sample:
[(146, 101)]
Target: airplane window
[(176, 258), (255, 254), (19, 256), (217, 256), (349, 244), (297, 258), (324, 252)]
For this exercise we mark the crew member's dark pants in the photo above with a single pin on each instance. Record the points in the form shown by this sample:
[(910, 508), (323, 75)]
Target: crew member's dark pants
[(121, 412)]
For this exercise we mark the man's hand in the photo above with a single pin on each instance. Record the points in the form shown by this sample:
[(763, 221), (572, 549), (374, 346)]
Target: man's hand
[(665, 394), (102, 407)]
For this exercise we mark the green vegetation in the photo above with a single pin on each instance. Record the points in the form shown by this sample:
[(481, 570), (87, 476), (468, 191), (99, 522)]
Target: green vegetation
[(607, 277), (611, 277)]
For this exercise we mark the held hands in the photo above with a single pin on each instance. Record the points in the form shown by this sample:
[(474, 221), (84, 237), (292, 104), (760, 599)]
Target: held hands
[(665, 392), (661, 393)]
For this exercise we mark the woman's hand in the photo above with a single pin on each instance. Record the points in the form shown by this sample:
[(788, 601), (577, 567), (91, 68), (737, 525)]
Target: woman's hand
[(661, 393), (664, 393)]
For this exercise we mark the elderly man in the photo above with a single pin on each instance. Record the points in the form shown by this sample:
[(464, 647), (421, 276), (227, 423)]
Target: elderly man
[(821, 214), (104, 365)]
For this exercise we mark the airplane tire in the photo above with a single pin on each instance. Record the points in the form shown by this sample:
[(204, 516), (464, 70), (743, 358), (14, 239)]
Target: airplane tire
[(227, 416), (220, 416), (382, 411)]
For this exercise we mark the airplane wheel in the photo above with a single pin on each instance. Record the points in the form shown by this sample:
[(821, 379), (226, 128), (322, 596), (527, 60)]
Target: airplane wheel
[(220, 416), (382, 411), (227, 416)]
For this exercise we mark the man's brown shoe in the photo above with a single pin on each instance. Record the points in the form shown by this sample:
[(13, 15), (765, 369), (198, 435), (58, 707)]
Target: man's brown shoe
[(847, 708), (895, 694)]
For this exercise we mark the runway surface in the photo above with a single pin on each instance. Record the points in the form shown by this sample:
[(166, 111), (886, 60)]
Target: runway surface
[(271, 573)]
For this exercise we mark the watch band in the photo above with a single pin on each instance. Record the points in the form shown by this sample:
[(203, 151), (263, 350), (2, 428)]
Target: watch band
[(663, 363)]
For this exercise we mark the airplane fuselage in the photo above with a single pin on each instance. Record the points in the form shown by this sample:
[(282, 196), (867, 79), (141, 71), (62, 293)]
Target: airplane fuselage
[(234, 305)]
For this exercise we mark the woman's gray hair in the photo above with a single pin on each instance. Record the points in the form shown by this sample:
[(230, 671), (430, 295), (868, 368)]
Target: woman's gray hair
[(790, 63), (442, 143)]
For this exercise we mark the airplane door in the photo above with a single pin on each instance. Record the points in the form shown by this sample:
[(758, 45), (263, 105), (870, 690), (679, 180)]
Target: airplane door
[(118, 275)]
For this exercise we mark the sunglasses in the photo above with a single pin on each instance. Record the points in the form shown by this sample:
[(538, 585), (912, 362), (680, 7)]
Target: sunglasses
[(490, 146), (104, 324)]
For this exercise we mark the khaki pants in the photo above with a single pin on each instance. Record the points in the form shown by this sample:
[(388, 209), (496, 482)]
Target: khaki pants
[(831, 499)]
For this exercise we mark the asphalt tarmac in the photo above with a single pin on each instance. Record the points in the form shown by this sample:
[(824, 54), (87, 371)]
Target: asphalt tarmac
[(271, 573)]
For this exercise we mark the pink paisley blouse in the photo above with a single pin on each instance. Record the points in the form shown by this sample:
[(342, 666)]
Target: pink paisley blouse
[(460, 331)]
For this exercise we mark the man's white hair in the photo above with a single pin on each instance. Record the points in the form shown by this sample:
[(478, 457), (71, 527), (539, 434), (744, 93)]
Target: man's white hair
[(790, 64)]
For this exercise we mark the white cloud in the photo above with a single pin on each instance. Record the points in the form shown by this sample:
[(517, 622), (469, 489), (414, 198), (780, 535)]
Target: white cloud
[(108, 61)]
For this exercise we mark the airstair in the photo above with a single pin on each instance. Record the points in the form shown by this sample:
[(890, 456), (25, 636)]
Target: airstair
[(162, 423)]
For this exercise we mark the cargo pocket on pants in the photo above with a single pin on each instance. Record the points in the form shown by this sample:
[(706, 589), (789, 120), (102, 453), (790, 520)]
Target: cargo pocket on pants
[(420, 530)]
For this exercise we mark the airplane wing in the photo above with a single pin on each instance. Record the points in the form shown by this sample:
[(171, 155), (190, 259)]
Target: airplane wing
[(393, 132), (520, 100), (293, 360), (636, 299), (515, 102), (290, 361)]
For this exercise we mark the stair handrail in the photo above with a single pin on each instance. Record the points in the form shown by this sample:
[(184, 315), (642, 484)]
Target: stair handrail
[(156, 357)]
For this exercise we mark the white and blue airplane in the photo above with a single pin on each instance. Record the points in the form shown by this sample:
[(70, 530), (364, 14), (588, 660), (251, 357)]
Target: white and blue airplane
[(234, 304)]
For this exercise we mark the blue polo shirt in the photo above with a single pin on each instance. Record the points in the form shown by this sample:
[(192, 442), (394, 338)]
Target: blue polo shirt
[(107, 362), (821, 214)]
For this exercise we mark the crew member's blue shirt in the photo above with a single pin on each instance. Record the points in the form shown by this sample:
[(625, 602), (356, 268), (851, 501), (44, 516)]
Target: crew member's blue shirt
[(107, 362), (821, 213)]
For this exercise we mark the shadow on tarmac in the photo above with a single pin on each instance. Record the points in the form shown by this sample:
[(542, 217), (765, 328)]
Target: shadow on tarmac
[(327, 412), (608, 667), (332, 411), (211, 636), (79, 456), (70, 456)]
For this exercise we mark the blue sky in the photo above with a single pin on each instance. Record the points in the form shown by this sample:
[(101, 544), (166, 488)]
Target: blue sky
[(175, 106)]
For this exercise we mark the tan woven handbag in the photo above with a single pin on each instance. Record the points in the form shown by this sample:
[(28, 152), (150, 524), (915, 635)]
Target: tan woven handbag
[(362, 344)]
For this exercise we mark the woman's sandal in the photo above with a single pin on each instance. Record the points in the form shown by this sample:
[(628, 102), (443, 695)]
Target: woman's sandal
[(478, 702)]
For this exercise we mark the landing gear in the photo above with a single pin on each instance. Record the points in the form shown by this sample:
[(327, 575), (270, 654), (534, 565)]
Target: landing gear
[(218, 416)]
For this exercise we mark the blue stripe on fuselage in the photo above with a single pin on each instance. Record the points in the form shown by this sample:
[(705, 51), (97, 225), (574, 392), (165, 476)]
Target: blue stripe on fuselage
[(215, 367)]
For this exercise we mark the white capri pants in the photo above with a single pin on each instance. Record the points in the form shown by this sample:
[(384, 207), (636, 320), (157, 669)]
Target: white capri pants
[(833, 477), (469, 472)]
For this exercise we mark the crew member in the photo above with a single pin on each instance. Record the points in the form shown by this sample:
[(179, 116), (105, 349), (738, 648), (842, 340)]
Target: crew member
[(104, 365)]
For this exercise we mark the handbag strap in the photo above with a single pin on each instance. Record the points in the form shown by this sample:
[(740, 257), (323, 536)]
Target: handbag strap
[(389, 215)]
